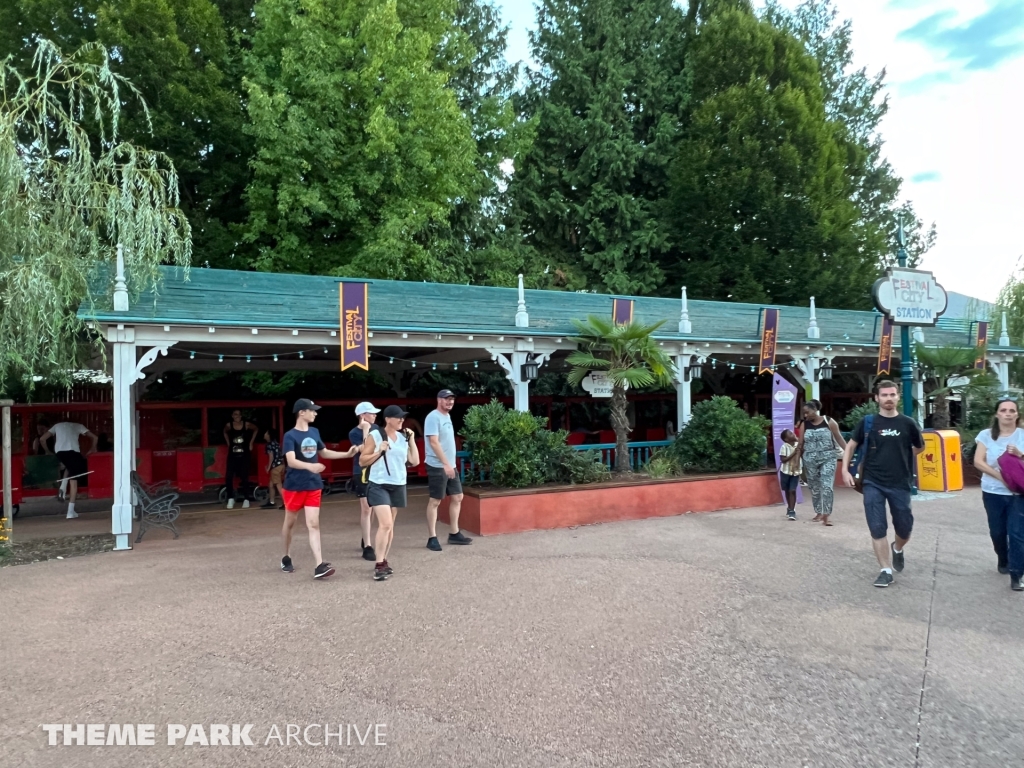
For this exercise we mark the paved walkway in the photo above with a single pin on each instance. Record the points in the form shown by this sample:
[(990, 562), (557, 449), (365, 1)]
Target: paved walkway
[(730, 639)]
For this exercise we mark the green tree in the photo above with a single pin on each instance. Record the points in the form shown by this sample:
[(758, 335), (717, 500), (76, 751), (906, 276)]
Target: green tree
[(66, 202), (630, 356), (949, 371), (1011, 301), (604, 106), (761, 203), (360, 147), (180, 56)]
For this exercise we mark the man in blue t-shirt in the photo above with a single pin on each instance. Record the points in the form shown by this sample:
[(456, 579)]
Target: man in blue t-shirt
[(303, 448), (367, 416), (442, 476)]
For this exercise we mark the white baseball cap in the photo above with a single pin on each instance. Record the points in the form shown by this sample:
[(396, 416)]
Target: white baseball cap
[(366, 408)]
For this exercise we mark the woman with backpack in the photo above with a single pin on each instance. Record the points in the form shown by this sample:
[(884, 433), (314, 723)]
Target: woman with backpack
[(820, 445), (997, 446)]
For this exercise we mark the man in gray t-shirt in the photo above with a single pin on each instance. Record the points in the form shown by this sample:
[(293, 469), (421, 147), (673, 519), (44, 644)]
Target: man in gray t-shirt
[(442, 476)]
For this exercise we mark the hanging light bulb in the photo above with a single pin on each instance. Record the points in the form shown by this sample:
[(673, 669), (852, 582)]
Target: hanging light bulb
[(325, 350), (391, 361), (275, 358), (220, 358), (191, 355), (476, 363), (435, 367), (455, 367), (248, 358), (300, 355), (413, 363)]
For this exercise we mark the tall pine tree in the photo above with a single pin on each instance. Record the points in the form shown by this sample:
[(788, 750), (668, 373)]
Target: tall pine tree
[(604, 106)]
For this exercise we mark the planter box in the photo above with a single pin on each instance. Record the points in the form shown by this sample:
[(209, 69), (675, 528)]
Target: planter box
[(488, 512)]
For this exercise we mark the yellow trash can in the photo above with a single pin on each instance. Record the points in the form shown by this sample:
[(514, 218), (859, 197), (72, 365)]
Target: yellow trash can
[(940, 464)]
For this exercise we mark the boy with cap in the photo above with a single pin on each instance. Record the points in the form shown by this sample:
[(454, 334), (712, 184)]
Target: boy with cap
[(442, 477), (367, 417), (302, 484)]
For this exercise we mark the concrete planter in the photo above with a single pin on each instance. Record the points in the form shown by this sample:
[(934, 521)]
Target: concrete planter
[(489, 512)]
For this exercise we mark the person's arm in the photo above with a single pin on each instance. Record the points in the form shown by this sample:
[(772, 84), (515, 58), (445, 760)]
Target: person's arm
[(327, 453), (351, 452), (227, 436), (95, 441), (836, 434), (918, 439), (316, 468), (255, 431), (413, 459), (370, 453), (435, 444), (982, 465), (851, 447)]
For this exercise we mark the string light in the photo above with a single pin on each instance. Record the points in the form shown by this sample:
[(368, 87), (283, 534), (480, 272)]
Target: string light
[(391, 361), (300, 355), (455, 367), (435, 367), (220, 358), (413, 363), (275, 358), (476, 363), (191, 355), (325, 350), (248, 358)]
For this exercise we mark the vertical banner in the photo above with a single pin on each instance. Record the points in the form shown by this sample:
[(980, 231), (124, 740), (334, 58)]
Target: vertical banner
[(784, 397), (355, 306), (770, 329), (885, 348), (982, 346), (622, 311)]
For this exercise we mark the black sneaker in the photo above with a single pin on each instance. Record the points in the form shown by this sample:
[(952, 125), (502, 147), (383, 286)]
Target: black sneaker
[(323, 571), (388, 568), (459, 538), (286, 564), (884, 579), (433, 544), (1002, 569), (791, 514), (369, 554), (380, 572), (897, 559), (1015, 584), (268, 505)]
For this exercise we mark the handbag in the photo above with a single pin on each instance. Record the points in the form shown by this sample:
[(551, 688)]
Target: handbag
[(1012, 470), (860, 455)]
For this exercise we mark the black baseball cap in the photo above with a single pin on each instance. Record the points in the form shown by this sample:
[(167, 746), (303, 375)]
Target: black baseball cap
[(394, 412), (445, 393), (303, 404)]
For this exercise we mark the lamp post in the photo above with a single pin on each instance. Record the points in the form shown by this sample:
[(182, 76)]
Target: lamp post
[(906, 365)]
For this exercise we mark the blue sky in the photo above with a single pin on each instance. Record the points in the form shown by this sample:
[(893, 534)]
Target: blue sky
[(955, 71)]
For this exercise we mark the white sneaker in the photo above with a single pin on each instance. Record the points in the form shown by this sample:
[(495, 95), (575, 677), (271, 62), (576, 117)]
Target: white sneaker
[(231, 503), (72, 515), (245, 504)]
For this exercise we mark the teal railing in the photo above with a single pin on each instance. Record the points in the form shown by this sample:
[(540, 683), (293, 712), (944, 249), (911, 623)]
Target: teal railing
[(639, 454)]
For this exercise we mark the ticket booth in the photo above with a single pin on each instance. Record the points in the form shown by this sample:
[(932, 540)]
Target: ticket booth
[(940, 464)]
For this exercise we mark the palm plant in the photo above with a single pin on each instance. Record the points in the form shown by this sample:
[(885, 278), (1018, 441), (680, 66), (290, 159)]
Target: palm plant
[(630, 356), (940, 364)]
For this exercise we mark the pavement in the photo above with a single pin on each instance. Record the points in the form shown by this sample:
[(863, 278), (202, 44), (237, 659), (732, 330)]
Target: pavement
[(727, 639)]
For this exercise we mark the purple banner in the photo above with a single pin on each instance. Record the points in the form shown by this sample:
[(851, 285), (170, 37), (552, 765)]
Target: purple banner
[(355, 307), (768, 340), (784, 397), (885, 348), (982, 346), (622, 311)]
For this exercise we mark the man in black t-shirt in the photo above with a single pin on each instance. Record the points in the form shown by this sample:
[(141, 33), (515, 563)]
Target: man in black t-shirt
[(891, 446)]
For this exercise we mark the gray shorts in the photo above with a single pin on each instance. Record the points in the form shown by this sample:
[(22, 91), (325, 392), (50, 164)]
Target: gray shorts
[(441, 485), (385, 495)]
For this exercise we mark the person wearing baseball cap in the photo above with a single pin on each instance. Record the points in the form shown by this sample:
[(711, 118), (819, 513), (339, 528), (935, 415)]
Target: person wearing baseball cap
[(442, 478), (386, 454), (302, 447), (366, 416)]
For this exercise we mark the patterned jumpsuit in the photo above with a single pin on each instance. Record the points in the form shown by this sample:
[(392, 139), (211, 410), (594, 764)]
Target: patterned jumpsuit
[(820, 463)]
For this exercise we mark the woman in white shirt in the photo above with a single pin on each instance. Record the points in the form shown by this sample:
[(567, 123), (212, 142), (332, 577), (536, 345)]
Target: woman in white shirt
[(385, 455), (1005, 509)]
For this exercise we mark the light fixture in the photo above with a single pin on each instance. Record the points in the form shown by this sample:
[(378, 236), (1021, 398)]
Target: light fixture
[(455, 367), (413, 363), (191, 355), (476, 363), (825, 371), (435, 367), (159, 381), (300, 355), (391, 361), (275, 358), (248, 358), (220, 358), (528, 371), (325, 351), (692, 371)]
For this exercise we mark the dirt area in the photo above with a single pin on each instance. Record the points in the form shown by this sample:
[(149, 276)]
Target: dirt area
[(63, 547)]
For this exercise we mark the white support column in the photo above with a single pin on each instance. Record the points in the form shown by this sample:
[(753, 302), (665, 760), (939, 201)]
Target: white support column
[(684, 397), (1003, 372), (1004, 333), (123, 353), (512, 361), (806, 374), (813, 331), (918, 395)]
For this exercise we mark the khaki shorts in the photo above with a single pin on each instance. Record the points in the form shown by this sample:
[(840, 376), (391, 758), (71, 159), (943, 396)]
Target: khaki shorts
[(277, 475)]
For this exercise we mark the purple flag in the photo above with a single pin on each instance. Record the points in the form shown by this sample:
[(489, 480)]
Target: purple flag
[(769, 338), (355, 307), (784, 397), (622, 311), (885, 348)]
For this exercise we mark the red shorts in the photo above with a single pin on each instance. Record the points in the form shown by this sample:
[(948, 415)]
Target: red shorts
[(294, 501)]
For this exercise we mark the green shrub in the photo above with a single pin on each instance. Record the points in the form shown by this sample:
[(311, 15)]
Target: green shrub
[(720, 437), (513, 449), (663, 464), (857, 413)]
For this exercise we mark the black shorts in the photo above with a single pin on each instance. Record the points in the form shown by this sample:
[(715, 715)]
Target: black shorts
[(385, 495), (73, 462), (441, 485), (358, 486), (788, 482)]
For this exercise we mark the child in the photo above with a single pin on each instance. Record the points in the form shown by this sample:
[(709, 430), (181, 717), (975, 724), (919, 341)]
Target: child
[(789, 471), (275, 466)]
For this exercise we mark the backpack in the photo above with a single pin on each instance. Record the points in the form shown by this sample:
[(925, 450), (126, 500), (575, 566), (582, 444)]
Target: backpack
[(857, 463), (1012, 470)]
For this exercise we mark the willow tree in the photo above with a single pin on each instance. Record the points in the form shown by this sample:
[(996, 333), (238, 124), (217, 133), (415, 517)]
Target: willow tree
[(630, 357), (68, 202)]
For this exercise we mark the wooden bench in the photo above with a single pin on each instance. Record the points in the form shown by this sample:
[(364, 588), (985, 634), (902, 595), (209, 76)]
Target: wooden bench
[(156, 507)]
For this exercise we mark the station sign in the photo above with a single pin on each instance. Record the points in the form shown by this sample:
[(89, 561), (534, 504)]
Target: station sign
[(909, 297)]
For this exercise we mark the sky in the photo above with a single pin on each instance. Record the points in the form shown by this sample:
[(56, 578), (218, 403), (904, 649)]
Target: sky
[(955, 77)]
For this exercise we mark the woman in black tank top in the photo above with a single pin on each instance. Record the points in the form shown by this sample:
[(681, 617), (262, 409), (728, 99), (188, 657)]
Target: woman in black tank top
[(239, 435), (818, 445)]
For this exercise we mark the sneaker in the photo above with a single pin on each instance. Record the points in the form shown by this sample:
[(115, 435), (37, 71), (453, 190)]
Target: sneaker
[(369, 554), (268, 505), (459, 538), (231, 503), (380, 572), (388, 568), (433, 544), (897, 559), (286, 564), (281, 507), (72, 514), (1003, 569), (884, 579), (245, 504), (323, 571), (791, 514), (1015, 584)]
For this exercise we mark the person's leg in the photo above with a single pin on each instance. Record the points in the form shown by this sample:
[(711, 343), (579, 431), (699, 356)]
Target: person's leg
[(435, 486), (454, 507), (385, 529), (1015, 550), (878, 525), (229, 482), (365, 521), (432, 505), (391, 533), (243, 481), (313, 527), (791, 499), (813, 470), (902, 520), (286, 530), (826, 488), (997, 508)]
